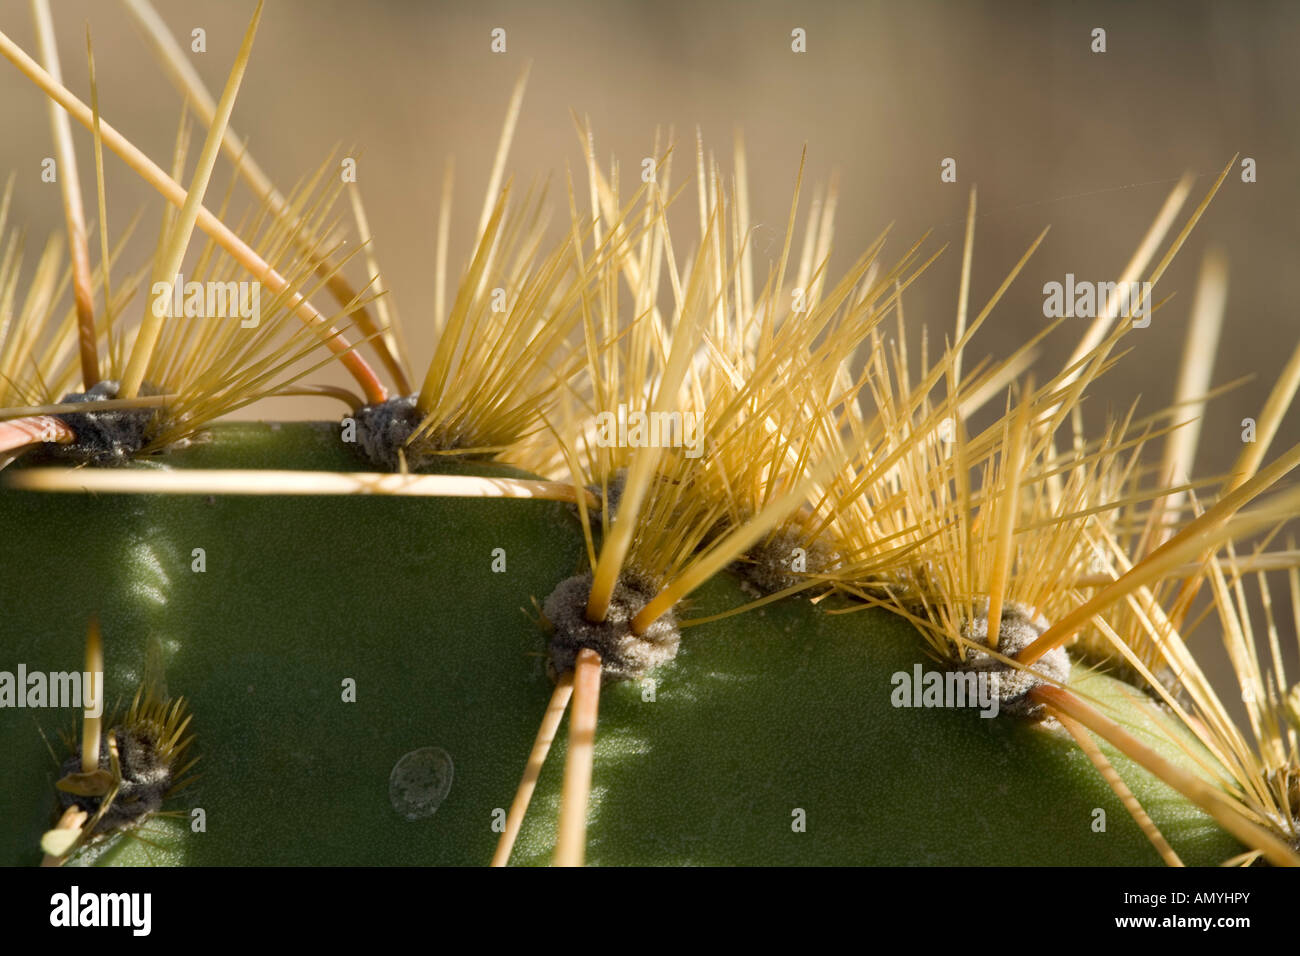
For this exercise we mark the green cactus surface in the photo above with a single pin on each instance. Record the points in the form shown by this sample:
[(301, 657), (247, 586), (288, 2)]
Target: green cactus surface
[(771, 738)]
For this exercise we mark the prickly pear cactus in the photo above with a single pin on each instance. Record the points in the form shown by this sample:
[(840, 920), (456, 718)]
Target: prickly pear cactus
[(365, 676), (791, 604)]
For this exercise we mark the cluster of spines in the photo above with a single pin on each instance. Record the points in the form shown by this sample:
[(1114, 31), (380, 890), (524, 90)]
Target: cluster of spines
[(124, 769)]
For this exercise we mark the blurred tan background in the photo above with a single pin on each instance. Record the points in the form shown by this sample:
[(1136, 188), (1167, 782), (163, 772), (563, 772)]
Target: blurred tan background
[(1051, 133)]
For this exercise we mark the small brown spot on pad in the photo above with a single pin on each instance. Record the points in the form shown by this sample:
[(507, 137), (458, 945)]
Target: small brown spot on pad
[(419, 782)]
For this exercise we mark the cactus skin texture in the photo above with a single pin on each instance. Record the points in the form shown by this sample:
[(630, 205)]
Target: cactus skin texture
[(762, 715)]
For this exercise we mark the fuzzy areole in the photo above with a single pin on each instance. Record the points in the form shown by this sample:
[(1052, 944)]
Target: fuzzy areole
[(771, 566), (146, 778), (105, 437), (623, 655), (383, 429), (384, 433), (611, 496), (1019, 628)]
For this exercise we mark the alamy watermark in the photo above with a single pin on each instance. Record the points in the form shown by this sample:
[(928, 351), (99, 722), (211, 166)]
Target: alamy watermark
[(630, 428), (36, 689), (133, 911), (208, 300), (1083, 299), (923, 688)]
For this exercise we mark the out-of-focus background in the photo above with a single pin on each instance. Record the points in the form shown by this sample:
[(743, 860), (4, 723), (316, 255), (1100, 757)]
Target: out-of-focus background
[(1051, 132)]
